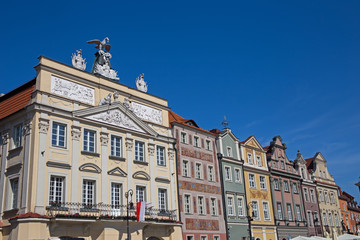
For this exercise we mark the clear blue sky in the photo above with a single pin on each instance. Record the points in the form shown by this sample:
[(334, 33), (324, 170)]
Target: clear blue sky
[(288, 68)]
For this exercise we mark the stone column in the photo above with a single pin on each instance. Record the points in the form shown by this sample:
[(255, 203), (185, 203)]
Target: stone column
[(152, 164), (41, 178), (5, 140), (75, 188), (26, 163), (129, 147), (104, 139)]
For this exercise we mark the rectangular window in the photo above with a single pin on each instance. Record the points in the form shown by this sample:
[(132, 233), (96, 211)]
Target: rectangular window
[(258, 160), (252, 183), (189, 237), (266, 210), (201, 210), (162, 198), (216, 237), (115, 195), (213, 207), (331, 220), (230, 203), (276, 184), (139, 151), (196, 141), (337, 220), (298, 212), (310, 221), (17, 136), (282, 164), (249, 156), (316, 219), (208, 145), (140, 194), (241, 207), (184, 137), (228, 152), (325, 219), (312, 195), (116, 146), (211, 173), (279, 210), (289, 211), (185, 168), (262, 183), (198, 170), (295, 189), (88, 193), (255, 209), (58, 135), (326, 197), (227, 173), (89, 141), (332, 198), (56, 191), (14, 183), (321, 196), (286, 186), (203, 238), (306, 195), (237, 175), (187, 203), (160, 155)]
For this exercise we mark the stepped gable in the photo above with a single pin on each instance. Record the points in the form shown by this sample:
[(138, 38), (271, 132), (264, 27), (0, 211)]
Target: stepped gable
[(17, 99)]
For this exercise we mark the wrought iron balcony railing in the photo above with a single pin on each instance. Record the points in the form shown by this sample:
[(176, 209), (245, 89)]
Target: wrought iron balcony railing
[(106, 211)]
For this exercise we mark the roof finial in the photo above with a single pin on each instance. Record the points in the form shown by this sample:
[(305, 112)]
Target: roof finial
[(225, 123)]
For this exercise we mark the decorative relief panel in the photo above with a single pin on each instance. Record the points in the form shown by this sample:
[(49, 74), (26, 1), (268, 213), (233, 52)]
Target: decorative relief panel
[(72, 90), (196, 154), (202, 224), (147, 113), (117, 118)]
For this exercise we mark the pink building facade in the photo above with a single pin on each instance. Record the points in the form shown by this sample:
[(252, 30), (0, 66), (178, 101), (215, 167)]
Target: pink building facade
[(200, 193), (286, 190), (308, 191)]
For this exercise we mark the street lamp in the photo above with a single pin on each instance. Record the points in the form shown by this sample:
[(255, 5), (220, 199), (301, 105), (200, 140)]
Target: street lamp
[(130, 192)]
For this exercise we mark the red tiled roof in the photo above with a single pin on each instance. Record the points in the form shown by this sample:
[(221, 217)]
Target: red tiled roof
[(246, 139), (29, 215), (309, 162), (17, 99), (173, 117)]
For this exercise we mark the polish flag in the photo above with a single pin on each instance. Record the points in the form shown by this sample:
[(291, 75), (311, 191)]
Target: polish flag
[(140, 211)]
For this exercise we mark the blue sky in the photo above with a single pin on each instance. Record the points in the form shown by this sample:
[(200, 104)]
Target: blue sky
[(288, 68)]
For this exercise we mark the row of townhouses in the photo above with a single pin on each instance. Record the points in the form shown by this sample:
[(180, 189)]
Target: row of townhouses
[(79, 150)]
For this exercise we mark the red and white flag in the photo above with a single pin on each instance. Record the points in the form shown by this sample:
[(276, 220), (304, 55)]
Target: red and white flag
[(140, 211)]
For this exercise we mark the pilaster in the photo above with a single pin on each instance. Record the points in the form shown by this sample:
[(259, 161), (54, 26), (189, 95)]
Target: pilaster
[(40, 188), (153, 190), (5, 140), (104, 139), (75, 135), (26, 163), (129, 147), (171, 156)]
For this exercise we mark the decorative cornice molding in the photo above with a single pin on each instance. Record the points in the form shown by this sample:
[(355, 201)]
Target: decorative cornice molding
[(58, 165), (162, 180), (117, 172), (141, 175), (90, 167)]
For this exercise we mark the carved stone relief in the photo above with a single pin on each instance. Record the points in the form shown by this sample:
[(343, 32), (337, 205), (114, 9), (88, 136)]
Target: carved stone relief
[(72, 90), (75, 133), (104, 139), (151, 149), (129, 144), (27, 128), (171, 154), (147, 113), (117, 118), (5, 138), (44, 126)]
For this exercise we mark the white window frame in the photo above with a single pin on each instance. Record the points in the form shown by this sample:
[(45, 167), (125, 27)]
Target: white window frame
[(198, 172), (298, 212), (201, 205), (213, 206), (282, 164), (249, 158), (184, 137), (252, 181), (240, 206), (258, 161), (162, 199), (88, 195), (325, 219), (185, 168), (276, 184), (56, 189), (14, 188), (306, 195), (196, 141), (116, 146), (140, 193), (279, 210), (187, 206), (326, 197), (312, 196), (208, 145), (211, 173), (228, 174), (262, 183), (87, 143), (266, 211), (228, 151), (237, 173), (230, 205), (116, 195), (257, 217), (56, 133), (289, 212), (17, 136), (139, 151), (160, 156), (310, 219), (286, 186), (295, 188)]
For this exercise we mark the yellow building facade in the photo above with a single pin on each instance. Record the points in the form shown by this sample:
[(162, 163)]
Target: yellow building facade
[(72, 154), (258, 192)]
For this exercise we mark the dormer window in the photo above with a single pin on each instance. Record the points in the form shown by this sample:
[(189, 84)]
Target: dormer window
[(228, 152), (302, 173), (250, 161)]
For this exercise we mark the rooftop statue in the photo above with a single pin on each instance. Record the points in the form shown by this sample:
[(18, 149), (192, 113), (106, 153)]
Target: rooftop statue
[(78, 61), (141, 84), (102, 64)]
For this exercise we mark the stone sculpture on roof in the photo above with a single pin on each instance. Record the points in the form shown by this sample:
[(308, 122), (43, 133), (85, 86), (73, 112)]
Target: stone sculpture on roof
[(78, 61), (102, 64), (141, 84)]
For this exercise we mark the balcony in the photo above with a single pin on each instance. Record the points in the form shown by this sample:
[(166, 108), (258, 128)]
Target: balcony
[(100, 211)]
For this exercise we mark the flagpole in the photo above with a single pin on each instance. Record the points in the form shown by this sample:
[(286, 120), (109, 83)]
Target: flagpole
[(130, 192)]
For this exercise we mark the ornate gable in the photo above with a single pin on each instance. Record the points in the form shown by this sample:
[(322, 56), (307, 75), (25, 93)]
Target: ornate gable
[(117, 115), (117, 172), (253, 142)]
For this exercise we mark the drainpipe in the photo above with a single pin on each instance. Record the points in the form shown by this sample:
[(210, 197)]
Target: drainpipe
[(219, 156)]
